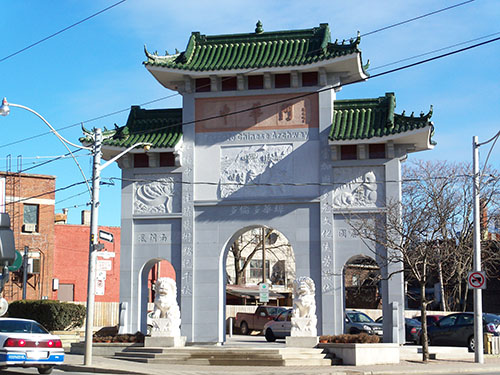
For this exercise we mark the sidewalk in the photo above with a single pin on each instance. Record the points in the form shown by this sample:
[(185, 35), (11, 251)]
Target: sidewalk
[(74, 362)]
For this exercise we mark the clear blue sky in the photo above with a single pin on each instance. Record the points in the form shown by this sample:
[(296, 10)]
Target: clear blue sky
[(96, 68)]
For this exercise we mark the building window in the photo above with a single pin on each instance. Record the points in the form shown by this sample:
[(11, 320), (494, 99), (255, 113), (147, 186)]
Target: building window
[(348, 152), (167, 159), (30, 218), (141, 161), (281, 81), (310, 79), (255, 82), (376, 151), (228, 83), (202, 84), (355, 280), (256, 269)]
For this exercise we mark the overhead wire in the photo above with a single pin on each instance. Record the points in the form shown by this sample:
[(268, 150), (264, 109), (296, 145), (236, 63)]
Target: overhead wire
[(417, 18), (248, 72), (47, 192), (60, 31), (318, 91)]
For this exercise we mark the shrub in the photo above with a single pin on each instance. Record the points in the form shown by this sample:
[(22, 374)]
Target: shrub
[(53, 315), (362, 338)]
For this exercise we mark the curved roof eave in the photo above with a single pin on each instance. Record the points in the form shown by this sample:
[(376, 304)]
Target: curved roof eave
[(349, 68), (420, 139), (109, 152)]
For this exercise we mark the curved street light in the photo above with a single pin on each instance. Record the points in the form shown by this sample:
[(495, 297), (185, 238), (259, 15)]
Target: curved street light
[(94, 193)]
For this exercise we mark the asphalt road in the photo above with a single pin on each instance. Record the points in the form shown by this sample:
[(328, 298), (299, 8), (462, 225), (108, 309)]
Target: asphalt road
[(33, 371)]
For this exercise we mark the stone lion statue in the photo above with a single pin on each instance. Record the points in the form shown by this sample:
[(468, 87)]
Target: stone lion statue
[(304, 308), (304, 304), (166, 313)]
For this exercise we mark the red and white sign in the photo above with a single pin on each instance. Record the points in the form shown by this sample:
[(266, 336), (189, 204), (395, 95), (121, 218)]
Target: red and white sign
[(100, 286), (477, 280)]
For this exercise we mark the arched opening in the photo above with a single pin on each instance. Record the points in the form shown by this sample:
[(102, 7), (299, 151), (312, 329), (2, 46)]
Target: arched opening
[(257, 255), (151, 271), (362, 282)]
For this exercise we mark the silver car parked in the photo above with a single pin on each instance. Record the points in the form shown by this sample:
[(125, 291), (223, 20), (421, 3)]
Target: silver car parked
[(280, 327), (358, 322)]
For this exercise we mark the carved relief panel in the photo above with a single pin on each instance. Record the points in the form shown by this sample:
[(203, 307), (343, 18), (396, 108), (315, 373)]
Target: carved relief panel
[(249, 171), (358, 187), (157, 194)]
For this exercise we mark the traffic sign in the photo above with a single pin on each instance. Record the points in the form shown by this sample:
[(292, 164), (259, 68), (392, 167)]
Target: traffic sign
[(263, 287), (264, 296), (106, 236), (477, 280)]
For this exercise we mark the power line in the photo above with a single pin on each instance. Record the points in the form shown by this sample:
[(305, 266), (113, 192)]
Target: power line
[(298, 184), (264, 105), (433, 51), (417, 18), (60, 31), (47, 192), (48, 161), (321, 90), (73, 196)]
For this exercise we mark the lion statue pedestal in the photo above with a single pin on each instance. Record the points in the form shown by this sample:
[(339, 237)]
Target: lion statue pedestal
[(304, 321), (166, 320)]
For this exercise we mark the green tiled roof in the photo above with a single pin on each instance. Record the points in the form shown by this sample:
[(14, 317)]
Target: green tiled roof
[(368, 118), (255, 50), (160, 127)]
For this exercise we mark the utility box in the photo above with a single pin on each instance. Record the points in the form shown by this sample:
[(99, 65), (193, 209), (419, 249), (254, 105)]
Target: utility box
[(7, 245)]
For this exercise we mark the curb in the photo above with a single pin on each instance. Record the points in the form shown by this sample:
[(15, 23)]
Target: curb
[(96, 370)]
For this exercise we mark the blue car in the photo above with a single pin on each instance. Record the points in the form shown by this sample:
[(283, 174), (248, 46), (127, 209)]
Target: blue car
[(25, 343)]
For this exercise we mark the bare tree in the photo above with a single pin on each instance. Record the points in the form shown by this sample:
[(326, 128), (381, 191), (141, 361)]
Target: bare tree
[(431, 230), (248, 245)]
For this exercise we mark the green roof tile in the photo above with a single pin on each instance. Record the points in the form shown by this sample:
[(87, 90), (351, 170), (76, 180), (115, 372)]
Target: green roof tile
[(255, 50), (367, 118), (160, 127)]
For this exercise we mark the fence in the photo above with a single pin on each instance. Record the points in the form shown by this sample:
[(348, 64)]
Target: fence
[(106, 314)]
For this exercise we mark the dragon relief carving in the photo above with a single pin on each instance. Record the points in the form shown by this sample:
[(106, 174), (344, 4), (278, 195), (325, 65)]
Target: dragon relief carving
[(156, 196), (359, 192), (254, 165)]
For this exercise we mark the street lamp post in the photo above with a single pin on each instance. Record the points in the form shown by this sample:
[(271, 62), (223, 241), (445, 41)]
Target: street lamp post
[(96, 179)]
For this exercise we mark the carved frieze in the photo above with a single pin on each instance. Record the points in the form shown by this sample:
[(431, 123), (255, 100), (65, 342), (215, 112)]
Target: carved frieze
[(254, 170), (359, 187), (157, 195)]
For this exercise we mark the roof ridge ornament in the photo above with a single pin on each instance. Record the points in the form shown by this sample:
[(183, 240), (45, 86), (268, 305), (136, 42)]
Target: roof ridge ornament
[(259, 29)]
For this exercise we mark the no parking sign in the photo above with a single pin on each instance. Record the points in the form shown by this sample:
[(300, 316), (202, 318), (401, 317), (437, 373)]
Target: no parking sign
[(476, 280)]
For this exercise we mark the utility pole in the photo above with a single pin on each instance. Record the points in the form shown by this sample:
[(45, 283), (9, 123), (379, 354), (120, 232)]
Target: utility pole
[(96, 179), (478, 305), (25, 271), (264, 268)]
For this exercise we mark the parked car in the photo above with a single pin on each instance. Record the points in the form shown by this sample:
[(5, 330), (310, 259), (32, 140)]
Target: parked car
[(248, 322), (280, 327), (458, 329), (413, 329), (358, 322), (25, 343), (431, 319)]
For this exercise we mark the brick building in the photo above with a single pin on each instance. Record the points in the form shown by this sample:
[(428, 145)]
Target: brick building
[(71, 259), (29, 200)]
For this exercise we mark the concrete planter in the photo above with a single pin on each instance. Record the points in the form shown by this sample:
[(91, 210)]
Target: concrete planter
[(364, 354)]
